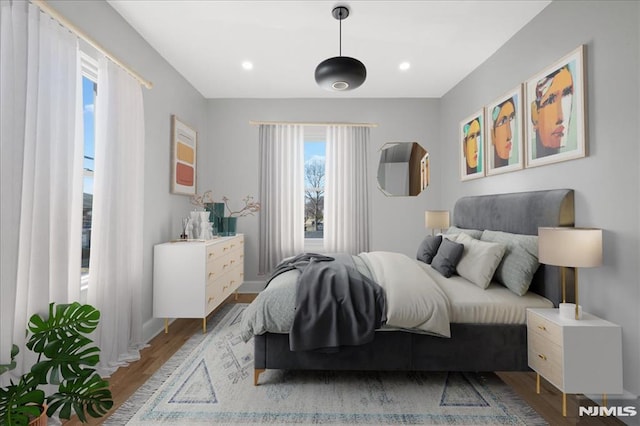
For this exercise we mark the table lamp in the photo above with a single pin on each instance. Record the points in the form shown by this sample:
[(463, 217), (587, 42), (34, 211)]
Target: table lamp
[(570, 247), (436, 219)]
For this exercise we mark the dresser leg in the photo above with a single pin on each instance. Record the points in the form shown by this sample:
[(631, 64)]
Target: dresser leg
[(537, 383), (564, 404), (204, 325), (604, 400), (166, 326)]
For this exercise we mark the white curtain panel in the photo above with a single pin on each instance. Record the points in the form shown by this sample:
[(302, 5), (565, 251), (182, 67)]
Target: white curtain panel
[(346, 204), (115, 266), (40, 122), (281, 194)]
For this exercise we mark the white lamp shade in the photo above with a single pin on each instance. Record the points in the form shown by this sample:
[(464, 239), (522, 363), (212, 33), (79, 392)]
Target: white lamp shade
[(573, 247), (436, 219)]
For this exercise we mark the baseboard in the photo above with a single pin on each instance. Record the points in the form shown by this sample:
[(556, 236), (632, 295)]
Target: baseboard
[(152, 328)]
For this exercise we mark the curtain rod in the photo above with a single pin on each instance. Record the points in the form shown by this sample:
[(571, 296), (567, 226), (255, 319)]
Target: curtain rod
[(42, 4), (257, 123)]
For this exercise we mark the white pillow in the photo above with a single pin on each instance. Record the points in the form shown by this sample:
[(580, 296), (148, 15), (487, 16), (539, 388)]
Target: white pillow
[(479, 260)]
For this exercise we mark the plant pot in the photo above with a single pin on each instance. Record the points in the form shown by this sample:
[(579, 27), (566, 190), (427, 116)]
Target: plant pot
[(229, 226), (42, 419)]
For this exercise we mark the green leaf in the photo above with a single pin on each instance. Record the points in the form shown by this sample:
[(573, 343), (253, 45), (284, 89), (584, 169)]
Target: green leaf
[(86, 394), (6, 367), (19, 402)]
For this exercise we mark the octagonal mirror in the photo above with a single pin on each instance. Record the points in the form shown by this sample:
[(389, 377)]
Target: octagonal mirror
[(403, 169)]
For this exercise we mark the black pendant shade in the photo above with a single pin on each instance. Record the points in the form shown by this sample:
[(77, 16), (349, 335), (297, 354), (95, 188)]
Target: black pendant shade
[(340, 73)]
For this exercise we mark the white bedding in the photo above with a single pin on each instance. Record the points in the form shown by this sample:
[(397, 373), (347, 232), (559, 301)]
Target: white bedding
[(469, 303)]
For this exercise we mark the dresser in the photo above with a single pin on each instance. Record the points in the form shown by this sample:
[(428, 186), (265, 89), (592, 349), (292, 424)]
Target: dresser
[(192, 278), (576, 356)]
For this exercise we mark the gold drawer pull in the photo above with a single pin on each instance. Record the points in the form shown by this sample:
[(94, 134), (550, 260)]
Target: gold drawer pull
[(232, 262), (542, 357), (232, 281), (225, 248), (210, 274), (225, 265), (542, 327), (210, 254), (210, 299), (225, 287)]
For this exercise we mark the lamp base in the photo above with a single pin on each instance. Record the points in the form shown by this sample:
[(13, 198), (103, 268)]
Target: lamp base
[(568, 311)]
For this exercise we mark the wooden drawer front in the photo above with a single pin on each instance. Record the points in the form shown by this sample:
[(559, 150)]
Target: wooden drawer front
[(220, 249), (545, 358), (223, 264), (231, 281), (540, 325), (213, 298)]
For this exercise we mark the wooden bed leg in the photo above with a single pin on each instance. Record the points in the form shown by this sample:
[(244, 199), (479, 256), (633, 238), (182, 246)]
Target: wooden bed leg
[(256, 374), (537, 382)]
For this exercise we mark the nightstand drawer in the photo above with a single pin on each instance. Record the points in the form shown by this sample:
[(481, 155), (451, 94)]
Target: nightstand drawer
[(539, 325), (545, 358)]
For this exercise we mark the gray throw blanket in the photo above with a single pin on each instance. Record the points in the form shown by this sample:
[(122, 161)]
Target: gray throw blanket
[(335, 304)]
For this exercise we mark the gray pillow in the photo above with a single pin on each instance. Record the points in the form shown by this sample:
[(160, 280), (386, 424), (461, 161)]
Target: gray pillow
[(479, 260), (428, 248), (520, 260), (447, 257), (473, 233)]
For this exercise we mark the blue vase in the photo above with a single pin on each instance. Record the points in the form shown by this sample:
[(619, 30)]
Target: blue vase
[(217, 213), (229, 226)]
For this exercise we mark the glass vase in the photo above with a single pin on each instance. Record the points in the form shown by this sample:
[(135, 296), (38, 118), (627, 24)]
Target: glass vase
[(229, 226)]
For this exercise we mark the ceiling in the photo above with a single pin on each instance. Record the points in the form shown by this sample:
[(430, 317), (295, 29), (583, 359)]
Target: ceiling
[(207, 42)]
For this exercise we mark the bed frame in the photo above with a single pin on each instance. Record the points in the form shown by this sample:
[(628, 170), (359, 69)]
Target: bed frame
[(472, 347)]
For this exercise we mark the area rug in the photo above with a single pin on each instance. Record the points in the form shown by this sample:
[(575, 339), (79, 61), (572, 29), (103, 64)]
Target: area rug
[(210, 381)]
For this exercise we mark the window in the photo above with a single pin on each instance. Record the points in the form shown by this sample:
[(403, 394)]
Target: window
[(314, 180), (89, 92)]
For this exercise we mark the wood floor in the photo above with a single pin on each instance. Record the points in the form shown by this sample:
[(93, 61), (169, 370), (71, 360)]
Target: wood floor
[(126, 380)]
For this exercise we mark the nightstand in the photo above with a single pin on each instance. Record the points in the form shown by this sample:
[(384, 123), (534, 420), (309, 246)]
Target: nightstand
[(576, 356)]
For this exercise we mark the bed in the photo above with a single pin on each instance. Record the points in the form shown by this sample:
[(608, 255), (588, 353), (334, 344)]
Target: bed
[(488, 345)]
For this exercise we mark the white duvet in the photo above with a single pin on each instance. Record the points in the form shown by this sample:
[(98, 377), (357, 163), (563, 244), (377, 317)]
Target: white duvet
[(414, 300)]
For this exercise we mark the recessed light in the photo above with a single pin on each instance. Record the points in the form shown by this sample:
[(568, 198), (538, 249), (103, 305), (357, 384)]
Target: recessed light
[(404, 66), (247, 65)]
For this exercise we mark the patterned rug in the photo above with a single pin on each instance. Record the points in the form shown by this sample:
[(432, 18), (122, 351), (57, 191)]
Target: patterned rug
[(210, 381)]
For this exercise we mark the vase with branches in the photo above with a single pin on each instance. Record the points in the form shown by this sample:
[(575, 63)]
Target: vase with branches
[(229, 222)]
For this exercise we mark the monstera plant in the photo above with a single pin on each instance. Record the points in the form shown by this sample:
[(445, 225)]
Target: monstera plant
[(65, 358)]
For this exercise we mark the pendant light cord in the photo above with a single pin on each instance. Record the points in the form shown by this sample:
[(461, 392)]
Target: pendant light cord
[(341, 33)]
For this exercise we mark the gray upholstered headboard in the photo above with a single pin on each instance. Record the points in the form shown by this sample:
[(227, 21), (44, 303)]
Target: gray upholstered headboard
[(522, 213)]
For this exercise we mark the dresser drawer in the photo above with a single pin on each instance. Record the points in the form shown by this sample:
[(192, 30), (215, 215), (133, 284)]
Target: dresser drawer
[(220, 249), (214, 296), (539, 325), (223, 264)]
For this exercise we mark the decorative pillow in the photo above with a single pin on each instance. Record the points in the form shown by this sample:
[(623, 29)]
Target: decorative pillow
[(447, 257), (520, 261), (479, 260), (428, 248), (473, 233)]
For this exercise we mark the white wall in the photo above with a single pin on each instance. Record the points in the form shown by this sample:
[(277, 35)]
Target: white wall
[(231, 159), (604, 181), (171, 94)]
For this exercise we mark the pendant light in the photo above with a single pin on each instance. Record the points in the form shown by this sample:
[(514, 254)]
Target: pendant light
[(340, 73)]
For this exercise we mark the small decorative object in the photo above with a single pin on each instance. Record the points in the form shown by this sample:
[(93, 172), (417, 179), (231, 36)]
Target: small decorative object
[(555, 112), (195, 225), (183, 160), (205, 226), (570, 247), (185, 222), (65, 357), (471, 147), (504, 145)]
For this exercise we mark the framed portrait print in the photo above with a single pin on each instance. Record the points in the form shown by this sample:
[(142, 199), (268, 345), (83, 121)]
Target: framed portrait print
[(504, 142), (183, 157), (471, 147), (556, 112)]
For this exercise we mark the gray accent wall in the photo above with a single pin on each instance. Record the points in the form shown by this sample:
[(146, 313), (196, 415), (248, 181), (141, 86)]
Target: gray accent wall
[(605, 182), (171, 94), (230, 162)]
